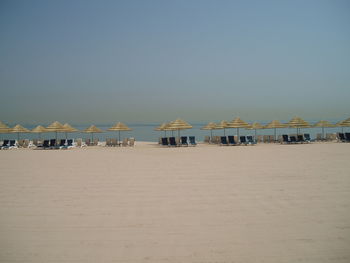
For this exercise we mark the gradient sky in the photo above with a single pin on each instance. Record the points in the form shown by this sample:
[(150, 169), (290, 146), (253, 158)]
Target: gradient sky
[(151, 61)]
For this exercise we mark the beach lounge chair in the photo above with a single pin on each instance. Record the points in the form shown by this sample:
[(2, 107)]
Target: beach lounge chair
[(341, 137), (172, 141), (5, 144), (132, 142), (125, 142), (165, 141), (319, 137), (20, 143), (223, 140), (300, 138), (272, 138), (114, 142), (62, 143), (108, 142), (285, 139), (251, 140), (53, 143), (307, 137), (70, 143), (231, 140), (207, 139), (45, 145), (25, 143), (184, 141), (347, 136), (293, 139), (192, 140), (243, 140)]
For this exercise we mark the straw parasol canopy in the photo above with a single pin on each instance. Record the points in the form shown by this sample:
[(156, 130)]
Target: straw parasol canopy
[(4, 128), (119, 127), (298, 123), (255, 126), (178, 125), (210, 126), (237, 123), (92, 129), (323, 124), (68, 129), (55, 127), (275, 124), (39, 130), (222, 125), (163, 127), (19, 129), (344, 123)]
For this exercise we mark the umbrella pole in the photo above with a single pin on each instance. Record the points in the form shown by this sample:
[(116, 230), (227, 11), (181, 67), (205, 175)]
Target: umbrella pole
[(56, 137), (322, 133), (275, 134), (66, 135), (17, 136), (211, 134), (237, 134), (92, 137), (255, 134), (178, 133), (119, 135), (224, 132)]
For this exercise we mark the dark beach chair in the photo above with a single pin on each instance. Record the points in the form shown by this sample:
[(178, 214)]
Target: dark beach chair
[(250, 140), (53, 143), (165, 141), (243, 140), (285, 139), (5, 144), (300, 138), (192, 140), (307, 137), (347, 136), (293, 139), (223, 140), (62, 143), (231, 140), (44, 145), (184, 140), (341, 137), (70, 143), (172, 141)]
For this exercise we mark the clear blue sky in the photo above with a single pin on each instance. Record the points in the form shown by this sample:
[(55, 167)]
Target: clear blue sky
[(151, 61)]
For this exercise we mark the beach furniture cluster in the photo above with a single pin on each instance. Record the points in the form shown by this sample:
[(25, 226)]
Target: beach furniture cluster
[(177, 141)]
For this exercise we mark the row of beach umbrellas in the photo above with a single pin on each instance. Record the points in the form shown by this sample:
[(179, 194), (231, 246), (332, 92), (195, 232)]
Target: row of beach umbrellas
[(296, 122), (58, 127)]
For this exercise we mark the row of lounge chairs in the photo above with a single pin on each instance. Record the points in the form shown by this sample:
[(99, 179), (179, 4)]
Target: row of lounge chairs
[(172, 141), (293, 139), (343, 137), (231, 141), (111, 142)]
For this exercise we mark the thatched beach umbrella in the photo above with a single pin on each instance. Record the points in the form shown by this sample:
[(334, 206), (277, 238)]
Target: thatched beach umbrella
[(210, 126), (92, 129), (237, 123), (55, 127), (275, 124), (178, 125), (162, 127), (19, 129), (298, 123), (323, 124), (68, 129), (223, 125), (4, 128), (344, 123), (39, 130), (119, 127), (255, 126)]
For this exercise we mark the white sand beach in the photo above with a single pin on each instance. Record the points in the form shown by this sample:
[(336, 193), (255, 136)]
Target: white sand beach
[(204, 204)]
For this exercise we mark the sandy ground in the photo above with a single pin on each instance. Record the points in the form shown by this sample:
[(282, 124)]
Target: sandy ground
[(207, 204)]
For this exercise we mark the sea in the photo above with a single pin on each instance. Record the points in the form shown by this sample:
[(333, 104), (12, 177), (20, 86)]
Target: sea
[(147, 132)]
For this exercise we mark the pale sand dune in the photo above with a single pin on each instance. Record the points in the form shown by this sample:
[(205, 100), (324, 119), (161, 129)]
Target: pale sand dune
[(208, 204)]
